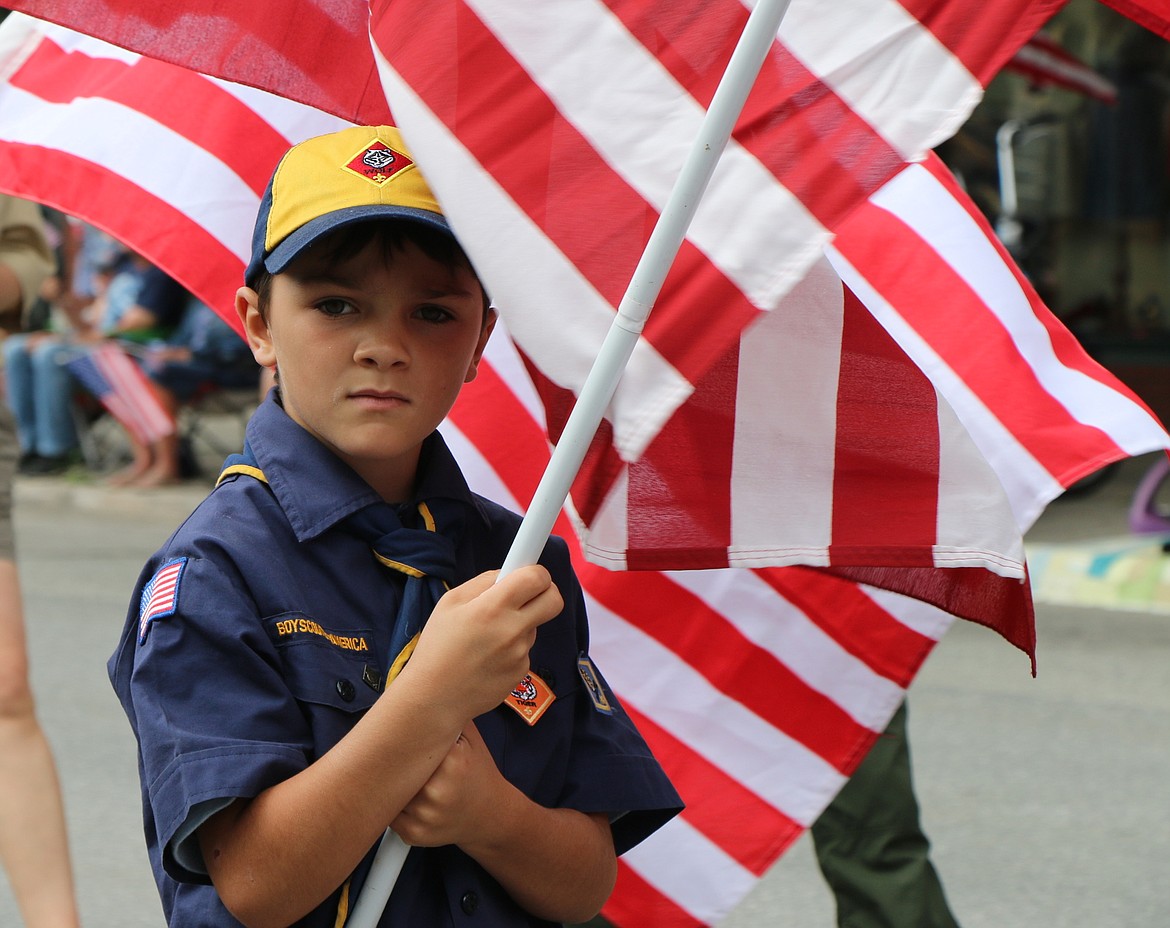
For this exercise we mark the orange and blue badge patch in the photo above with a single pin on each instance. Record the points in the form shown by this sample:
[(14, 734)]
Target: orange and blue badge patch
[(531, 698), (160, 597), (592, 681)]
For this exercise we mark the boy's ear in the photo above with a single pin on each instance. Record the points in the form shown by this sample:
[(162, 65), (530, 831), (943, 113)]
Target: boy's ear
[(255, 327), (484, 335)]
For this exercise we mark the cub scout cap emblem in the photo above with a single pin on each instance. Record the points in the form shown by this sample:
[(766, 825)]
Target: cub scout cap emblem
[(378, 163), (593, 687), (325, 183), (531, 697), (160, 597)]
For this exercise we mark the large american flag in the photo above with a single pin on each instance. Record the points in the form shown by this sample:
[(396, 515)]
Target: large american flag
[(759, 689)]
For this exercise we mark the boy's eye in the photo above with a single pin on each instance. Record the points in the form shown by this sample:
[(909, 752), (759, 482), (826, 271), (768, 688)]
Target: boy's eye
[(429, 312), (334, 307)]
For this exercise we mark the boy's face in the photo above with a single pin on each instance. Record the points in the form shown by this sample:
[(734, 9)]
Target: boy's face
[(372, 352)]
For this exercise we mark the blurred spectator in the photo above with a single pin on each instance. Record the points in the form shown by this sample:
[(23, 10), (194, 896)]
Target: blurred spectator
[(202, 355), (133, 300)]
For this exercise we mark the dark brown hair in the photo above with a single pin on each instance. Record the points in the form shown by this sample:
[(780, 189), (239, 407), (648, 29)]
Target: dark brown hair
[(390, 235)]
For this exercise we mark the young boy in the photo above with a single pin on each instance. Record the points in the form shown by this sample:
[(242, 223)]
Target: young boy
[(262, 664)]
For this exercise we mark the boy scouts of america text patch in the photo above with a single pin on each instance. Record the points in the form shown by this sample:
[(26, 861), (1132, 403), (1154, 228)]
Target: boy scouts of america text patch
[(160, 597), (593, 685)]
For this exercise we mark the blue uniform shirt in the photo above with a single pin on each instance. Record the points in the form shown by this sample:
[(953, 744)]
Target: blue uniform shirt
[(258, 635)]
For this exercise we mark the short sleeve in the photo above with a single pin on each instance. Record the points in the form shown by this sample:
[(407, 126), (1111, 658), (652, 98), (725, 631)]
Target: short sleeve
[(214, 717)]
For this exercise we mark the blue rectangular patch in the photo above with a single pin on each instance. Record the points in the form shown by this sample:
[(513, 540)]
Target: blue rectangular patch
[(593, 686), (160, 597)]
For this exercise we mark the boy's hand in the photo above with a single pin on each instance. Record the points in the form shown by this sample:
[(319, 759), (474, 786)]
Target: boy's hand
[(474, 648), (458, 803)]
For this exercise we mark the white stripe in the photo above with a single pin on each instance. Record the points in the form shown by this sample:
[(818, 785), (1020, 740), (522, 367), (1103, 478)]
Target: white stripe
[(921, 617), (480, 473), (552, 312), (607, 540), (294, 121), (887, 66), (773, 624), (72, 41), (751, 227), (919, 200), (785, 422), (691, 870), (170, 168), (680, 700), (976, 526), (503, 358)]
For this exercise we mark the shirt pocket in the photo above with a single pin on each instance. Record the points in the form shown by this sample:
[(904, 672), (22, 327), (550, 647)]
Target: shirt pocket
[(331, 673)]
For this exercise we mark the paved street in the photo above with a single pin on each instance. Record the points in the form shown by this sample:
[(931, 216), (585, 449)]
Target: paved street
[(1048, 799)]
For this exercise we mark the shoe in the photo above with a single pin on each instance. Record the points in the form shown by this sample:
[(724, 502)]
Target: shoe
[(40, 466)]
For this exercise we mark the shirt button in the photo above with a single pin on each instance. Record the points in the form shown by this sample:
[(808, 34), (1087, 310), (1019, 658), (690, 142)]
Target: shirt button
[(469, 903), (345, 690)]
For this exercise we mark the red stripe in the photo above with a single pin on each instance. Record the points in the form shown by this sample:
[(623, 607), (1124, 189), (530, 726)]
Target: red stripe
[(985, 35), (1153, 14), (518, 453), (277, 46), (251, 148), (163, 234), (746, 827), (713, 647), (1000, 603), (887, 459), (635, 903), (679, 489), (602, 464), (853, 620)]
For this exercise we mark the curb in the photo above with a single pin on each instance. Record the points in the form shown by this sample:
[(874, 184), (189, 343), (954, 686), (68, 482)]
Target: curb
[(63, 492)]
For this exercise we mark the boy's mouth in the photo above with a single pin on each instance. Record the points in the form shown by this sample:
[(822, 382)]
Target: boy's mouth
[(379, 397)]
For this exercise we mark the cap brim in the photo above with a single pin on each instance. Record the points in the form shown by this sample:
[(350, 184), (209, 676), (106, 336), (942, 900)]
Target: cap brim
[(295, 244)]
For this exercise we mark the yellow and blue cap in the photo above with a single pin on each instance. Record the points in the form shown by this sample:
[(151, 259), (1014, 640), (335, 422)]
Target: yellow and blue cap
[(336, 180)]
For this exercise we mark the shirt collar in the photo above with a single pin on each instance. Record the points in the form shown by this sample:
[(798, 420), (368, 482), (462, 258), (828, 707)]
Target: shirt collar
[(316, 489)]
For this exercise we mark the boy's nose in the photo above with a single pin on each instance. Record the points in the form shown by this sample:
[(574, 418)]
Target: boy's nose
[(381, 347)]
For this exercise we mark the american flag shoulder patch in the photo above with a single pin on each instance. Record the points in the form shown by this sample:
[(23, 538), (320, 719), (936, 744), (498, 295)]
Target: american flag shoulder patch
[(160, 597)]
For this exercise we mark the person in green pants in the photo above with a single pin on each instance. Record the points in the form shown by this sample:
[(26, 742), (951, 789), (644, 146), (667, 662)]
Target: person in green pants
[(871, 848)]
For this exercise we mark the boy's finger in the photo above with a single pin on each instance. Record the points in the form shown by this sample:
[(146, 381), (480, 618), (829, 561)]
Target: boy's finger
[(525, 584), (472, 588)]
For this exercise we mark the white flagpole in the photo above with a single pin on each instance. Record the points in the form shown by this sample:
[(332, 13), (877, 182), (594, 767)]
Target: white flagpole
[(665, 241)]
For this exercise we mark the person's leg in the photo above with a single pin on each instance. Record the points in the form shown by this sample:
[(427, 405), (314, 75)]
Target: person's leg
[(56, 434), (163, 467), (871, 848), (33, 845), (18, 382)]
